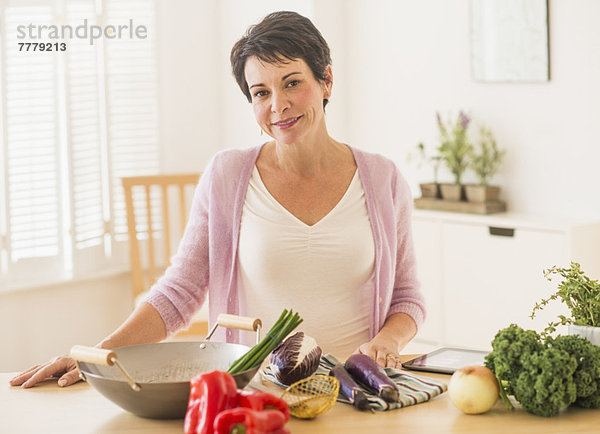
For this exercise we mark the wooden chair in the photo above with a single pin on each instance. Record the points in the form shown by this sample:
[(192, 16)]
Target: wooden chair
[(143, 194)]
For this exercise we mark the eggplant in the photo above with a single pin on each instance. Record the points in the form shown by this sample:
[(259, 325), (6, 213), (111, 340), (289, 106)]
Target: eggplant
[(349, 388), (365, 370)]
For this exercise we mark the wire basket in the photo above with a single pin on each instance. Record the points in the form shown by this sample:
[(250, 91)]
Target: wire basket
[(312, 396)]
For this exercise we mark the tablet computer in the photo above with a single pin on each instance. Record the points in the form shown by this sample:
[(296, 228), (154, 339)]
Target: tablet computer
[(446, 360)]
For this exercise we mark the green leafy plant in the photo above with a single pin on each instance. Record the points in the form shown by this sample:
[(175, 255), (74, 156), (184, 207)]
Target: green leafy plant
[(425, 158), (455, 146), (580, 293), (487, 159)]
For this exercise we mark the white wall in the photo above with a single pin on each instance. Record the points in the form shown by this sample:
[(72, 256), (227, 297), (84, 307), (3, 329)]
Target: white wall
[(189, 100), (41, 323)]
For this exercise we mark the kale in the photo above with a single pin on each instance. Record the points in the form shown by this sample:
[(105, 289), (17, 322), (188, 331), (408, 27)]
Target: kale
[(545, 384), (547, 375), (510, 345), (587, 374)]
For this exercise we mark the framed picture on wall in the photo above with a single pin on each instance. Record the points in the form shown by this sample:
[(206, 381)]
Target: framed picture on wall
[(509, 41)]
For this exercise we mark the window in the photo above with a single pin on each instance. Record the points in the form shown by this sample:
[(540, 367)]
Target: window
[(73, 123)]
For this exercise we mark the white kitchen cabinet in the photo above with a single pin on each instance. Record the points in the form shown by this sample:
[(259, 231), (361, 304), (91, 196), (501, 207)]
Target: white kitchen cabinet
[(429, 257), (481, 273)]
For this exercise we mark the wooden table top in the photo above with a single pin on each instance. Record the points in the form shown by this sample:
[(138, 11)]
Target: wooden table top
[(81, 409)]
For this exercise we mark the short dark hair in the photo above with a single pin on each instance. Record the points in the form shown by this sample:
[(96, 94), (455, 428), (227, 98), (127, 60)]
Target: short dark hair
[(278, 38)]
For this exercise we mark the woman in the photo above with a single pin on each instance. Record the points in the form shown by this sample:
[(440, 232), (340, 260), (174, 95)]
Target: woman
[(301, 222)]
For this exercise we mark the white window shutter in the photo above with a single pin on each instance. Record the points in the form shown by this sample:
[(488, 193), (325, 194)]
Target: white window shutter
[(73, 123), (132, 89), (31, 137), (85, 106)]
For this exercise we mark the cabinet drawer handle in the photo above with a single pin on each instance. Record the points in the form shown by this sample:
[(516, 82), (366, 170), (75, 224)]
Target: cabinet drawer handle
[(501, 232)]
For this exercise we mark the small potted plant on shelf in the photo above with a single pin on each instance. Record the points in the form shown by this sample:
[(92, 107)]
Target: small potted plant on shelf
[(454, 151), (485, 162), (582, 296), (428, 189)]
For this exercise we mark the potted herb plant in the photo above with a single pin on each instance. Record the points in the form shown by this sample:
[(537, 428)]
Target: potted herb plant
[(485, 162), (454, 151), (429, 189), (582, 296)]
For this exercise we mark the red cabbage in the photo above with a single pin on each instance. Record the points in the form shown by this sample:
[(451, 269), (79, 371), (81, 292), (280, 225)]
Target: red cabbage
[(295, 358)]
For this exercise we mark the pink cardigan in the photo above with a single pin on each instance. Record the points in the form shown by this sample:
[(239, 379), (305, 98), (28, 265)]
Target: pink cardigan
[(206, 260)]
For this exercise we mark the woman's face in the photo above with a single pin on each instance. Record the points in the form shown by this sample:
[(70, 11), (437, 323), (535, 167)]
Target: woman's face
[(287, 99)]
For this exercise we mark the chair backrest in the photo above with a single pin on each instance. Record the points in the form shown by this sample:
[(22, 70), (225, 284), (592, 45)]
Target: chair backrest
[(140, 202)]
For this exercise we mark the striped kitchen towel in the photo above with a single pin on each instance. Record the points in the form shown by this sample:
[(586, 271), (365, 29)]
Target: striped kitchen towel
[(413, 389)]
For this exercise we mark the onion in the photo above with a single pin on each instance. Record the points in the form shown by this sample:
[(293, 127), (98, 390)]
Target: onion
[(295, 358), (473, 389)]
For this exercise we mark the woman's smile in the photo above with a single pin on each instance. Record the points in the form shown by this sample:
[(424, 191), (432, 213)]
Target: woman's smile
[(287, 123)]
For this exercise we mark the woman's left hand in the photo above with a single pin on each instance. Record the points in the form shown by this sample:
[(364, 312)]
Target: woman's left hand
[(383, 349)]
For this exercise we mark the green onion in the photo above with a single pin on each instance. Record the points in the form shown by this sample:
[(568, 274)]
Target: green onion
[(286, 323)]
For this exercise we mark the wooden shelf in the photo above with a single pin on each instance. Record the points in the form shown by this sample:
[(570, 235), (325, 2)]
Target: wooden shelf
[(460, 206)]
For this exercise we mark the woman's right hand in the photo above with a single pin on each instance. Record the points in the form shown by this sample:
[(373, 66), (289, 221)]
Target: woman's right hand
[(61, 366)]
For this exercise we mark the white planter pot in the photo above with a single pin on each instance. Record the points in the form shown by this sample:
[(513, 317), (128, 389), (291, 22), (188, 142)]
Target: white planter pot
[(592, 334)]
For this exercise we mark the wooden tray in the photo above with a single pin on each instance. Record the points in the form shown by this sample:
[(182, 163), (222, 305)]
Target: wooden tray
[(460, 206)]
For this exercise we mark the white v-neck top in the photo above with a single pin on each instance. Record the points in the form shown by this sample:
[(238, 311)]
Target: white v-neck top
[(323, 271)]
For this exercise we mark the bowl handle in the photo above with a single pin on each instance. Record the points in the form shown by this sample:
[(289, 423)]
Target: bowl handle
[(237, 322), (99, 356)]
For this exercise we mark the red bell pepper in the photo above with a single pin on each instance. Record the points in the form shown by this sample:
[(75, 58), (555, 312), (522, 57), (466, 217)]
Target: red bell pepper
[(247, 421), (210, 394), (257, 400)]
